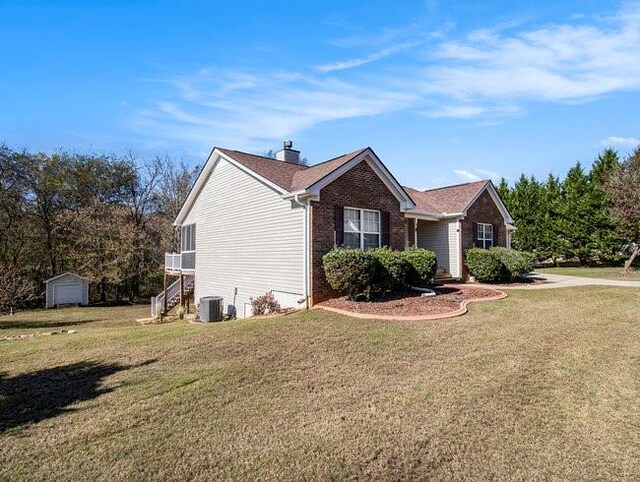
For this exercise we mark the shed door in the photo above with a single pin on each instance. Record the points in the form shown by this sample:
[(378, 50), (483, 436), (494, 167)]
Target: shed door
[(67, 293)]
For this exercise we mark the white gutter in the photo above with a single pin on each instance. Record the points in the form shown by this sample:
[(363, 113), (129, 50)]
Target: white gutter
[(432, 216), (305, 246)]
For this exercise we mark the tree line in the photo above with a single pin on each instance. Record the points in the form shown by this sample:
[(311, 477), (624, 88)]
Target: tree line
[(591, 217), (108, 218)]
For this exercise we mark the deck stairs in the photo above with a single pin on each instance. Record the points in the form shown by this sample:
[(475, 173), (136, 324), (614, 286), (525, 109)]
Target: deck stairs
[(173, 296)]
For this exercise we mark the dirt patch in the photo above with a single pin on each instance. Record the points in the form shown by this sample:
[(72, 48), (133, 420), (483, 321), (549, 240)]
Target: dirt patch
[(451, 299)]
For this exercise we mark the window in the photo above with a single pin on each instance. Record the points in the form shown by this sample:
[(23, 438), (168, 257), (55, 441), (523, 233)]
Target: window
[(485, 235), (361, 228), (188, 238)]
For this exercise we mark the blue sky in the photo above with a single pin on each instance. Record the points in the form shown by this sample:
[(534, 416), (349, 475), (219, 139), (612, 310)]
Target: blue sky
[(444, 92)]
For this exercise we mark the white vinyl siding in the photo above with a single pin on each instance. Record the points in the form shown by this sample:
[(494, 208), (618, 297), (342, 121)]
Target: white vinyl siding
[(248, 238), (441, 237)]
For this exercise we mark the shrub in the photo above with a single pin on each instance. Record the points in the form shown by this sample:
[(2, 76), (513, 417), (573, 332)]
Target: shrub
[(393, 270), (517, 263), (498, 264), (265, 304), (180, 311), (422, 266), (486, 267), (351, 271)]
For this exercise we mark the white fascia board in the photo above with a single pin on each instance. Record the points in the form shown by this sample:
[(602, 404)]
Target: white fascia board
[(423, 216), (428, 216)]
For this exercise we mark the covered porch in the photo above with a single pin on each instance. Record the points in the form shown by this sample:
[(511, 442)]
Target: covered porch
[(442, 236)]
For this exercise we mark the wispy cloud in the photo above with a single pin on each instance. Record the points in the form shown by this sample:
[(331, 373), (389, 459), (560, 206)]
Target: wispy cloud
[(476, 174), (248, 111), (615, 141), (466, 175), (486, 75), (358, 62), (455, 111), (564, 62)]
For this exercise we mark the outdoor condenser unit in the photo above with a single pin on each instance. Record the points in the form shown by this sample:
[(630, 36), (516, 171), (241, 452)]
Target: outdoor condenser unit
[(210, 308)]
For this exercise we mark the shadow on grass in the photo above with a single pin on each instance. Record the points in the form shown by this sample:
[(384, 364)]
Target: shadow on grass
[(36, 396), (5, 325)]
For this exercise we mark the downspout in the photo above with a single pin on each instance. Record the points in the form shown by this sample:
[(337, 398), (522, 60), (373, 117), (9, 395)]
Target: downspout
[(305, 247)]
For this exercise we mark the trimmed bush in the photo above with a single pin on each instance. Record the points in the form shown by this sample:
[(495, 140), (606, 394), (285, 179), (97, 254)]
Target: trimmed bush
[(486, 267), (422, 266), (351, 271), (498, 264), (517, 263), (393, 272)]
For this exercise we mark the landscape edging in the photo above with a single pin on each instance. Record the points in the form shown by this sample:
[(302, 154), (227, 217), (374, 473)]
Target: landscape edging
[(452, 314)]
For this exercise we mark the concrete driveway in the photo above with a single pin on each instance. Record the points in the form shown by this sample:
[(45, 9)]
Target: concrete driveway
[(564, 281)]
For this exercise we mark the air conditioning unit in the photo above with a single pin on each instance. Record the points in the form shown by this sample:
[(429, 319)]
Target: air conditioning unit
[(211, 308)]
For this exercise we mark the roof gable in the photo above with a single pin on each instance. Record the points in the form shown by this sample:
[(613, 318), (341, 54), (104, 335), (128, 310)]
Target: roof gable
[(306, 178), (287, 177), (457, 199)]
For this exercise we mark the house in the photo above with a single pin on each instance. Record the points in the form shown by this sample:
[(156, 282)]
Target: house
[(67, 289), (253, 224)]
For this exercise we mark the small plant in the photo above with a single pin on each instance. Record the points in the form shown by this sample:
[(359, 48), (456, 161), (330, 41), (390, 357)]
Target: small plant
[(423, 266), (180, 311), (265, 304), (351, 271)]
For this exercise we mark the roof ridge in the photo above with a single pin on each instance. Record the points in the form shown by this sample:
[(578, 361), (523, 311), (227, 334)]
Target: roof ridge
[(357, 151), (266, 158), (484, 181)]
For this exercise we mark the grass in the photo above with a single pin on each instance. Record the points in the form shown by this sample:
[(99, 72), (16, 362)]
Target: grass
[(545, 384), (604, 273)]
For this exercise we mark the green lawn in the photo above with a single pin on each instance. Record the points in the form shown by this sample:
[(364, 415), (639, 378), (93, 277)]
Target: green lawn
[(544, 384), (605, 273)]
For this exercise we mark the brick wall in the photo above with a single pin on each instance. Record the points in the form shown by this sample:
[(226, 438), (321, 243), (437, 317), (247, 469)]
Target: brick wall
[(484, 210), (359, 187)]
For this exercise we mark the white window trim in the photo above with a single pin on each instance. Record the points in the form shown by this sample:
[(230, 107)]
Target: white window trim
[(182, 229), (484, 239), (362, 232)]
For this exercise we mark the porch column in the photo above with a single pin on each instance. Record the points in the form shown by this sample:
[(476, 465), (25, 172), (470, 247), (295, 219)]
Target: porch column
[(415, 233)]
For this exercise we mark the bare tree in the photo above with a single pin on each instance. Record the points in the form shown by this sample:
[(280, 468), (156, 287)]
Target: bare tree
[(623, 185)]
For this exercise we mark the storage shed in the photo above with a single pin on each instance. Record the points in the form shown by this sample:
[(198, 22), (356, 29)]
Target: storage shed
[(67, 289)]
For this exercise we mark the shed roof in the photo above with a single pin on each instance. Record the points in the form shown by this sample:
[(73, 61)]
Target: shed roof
[(68, 273)]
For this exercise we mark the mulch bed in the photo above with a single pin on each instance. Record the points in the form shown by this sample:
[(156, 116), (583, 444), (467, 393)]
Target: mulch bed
[(449, 299)]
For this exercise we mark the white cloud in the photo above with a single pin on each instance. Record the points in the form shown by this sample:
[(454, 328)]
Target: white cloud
[(456, 111), (349, 64), (477, 174), (466, 175), (489, 174), (487, 75), (564, 62), (615, 141), (246, 111)]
